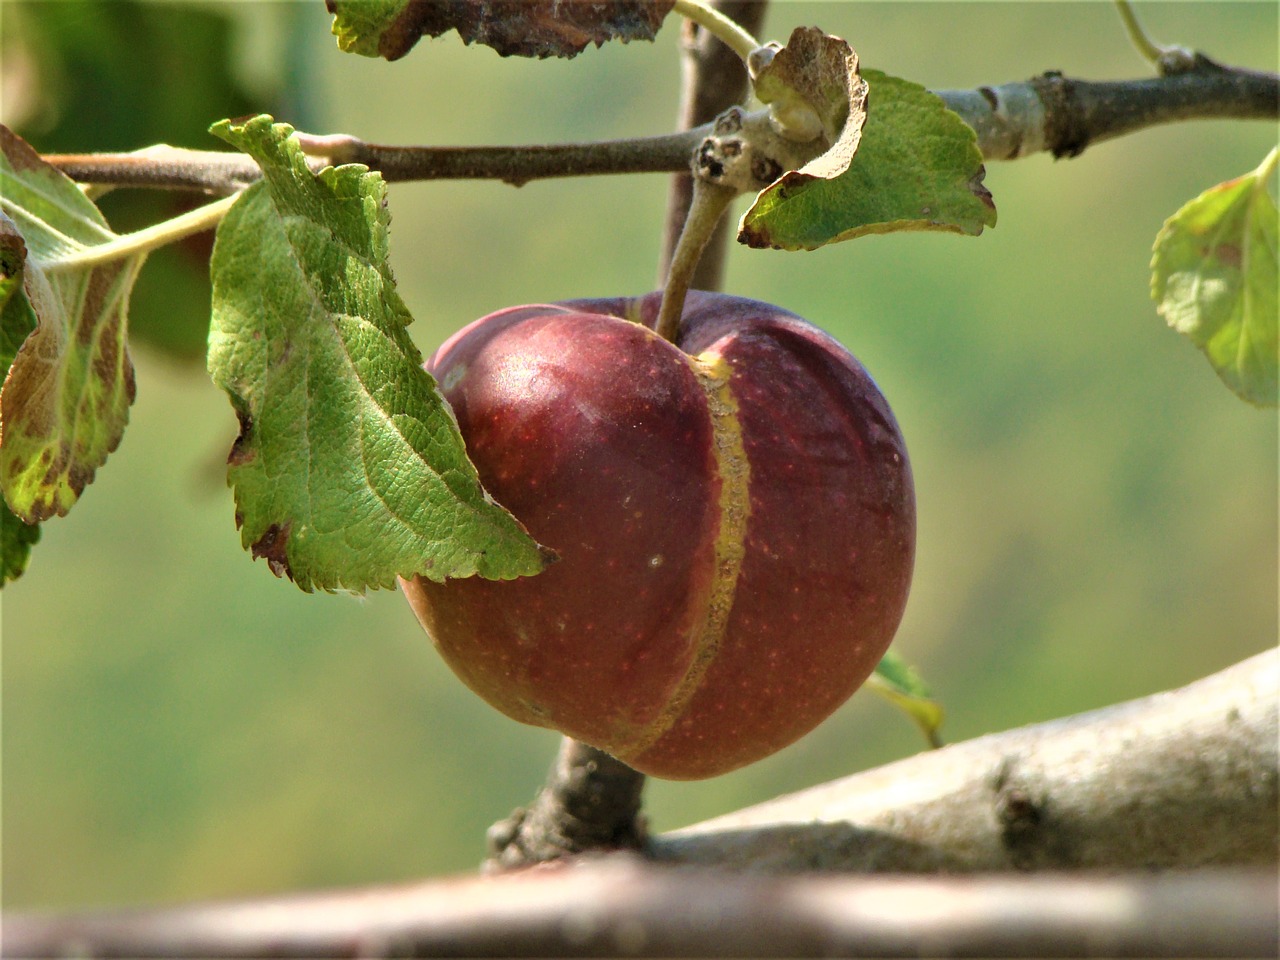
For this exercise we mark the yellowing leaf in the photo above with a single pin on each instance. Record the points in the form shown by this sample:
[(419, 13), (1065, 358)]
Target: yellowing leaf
[(66, 396), (898, 682), (816, 75), (1214, 279)]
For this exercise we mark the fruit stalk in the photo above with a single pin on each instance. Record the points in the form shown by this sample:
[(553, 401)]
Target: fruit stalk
[(709, 201)]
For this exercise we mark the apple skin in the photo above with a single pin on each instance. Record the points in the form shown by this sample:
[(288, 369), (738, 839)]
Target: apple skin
[(734, 517)]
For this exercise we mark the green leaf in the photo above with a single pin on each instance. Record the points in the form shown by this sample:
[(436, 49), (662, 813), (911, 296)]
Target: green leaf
[(522, 28), (349, 469), (899, 683), (17, 320), (1214, 279), (917, 167), (66, 396)]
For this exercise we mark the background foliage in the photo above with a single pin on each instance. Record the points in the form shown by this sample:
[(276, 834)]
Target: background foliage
[(1098, 515)]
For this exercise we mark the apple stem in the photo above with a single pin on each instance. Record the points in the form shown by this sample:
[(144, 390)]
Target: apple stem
[(707, 205), (145, 240)]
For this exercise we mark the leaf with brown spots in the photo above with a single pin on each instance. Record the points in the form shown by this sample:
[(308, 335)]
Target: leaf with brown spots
[(66, 395), (522, 28)]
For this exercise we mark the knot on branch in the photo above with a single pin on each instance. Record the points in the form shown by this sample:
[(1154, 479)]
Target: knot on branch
[(746, 153)]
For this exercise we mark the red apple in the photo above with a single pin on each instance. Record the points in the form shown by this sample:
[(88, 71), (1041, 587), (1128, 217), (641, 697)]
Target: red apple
[(734, 515)]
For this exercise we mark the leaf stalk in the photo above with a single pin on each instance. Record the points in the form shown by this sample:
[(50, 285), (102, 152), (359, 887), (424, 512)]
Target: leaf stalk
[(716, 23), (148, 239), (1165, 57)]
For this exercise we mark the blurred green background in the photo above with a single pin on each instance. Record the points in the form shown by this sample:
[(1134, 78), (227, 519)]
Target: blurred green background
[(1098, 514)]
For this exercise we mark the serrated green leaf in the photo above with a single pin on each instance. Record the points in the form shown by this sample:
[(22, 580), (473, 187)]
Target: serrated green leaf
[(1214, 279), (917, 167), (349, 470), (899, 683), (66, 397)]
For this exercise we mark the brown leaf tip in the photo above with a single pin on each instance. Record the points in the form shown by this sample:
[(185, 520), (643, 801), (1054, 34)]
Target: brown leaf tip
[(272, 547)]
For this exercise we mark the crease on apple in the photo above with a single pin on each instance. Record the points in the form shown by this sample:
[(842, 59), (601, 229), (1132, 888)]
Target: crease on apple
[(712, 372)]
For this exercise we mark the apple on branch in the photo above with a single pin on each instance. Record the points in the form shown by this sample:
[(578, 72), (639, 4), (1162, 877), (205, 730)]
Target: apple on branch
[(734, 515)]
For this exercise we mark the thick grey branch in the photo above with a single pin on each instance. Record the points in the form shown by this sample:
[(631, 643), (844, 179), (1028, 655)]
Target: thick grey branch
[(1181, 779), (1050, 112), (622, 907)]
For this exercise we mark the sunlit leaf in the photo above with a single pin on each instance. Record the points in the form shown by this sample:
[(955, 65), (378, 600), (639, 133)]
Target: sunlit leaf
[(349, 469), (1214, 279), (66, 396), (899, 683), (524, 28), (917, 167)]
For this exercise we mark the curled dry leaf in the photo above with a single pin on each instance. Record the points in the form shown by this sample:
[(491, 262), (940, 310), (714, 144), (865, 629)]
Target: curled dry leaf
[(815, 78), (523, 28)]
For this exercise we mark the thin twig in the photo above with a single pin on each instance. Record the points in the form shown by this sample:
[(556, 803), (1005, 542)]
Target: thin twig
[(1050, 112), (1063, 116), (220, 172)]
